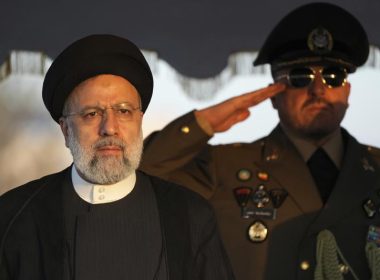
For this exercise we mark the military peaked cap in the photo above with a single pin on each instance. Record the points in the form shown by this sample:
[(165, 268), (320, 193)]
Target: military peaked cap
[(92, 56), (316, 33)]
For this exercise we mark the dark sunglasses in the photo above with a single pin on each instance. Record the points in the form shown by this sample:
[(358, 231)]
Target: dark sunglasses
[(302, 77)]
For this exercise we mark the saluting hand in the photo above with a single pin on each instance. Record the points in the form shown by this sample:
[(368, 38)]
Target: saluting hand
[(224, 115)]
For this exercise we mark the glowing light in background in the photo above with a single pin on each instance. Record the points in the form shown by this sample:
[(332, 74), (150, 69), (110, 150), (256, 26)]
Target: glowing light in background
[(31, 144)]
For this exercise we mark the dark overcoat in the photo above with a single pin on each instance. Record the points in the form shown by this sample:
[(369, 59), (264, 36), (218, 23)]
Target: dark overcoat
[(33, 241)]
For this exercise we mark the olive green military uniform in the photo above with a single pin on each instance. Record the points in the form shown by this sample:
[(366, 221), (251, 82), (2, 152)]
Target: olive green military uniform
[(288, 250)]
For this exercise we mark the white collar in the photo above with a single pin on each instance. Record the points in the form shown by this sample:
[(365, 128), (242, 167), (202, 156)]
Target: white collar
[(96, 194)]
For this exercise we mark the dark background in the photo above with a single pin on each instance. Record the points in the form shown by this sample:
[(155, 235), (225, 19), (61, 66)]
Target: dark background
[(194, 36)]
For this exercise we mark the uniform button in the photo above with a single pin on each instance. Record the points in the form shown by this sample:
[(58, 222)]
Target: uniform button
[(101, 197), (102, 189), (344, 269), (304, 265), (185, 129)]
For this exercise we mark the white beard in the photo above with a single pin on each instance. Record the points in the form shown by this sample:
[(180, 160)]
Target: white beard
[(105, 170)]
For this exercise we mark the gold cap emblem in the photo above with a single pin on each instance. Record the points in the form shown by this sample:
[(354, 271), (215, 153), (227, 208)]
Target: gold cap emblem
[(320, 41)]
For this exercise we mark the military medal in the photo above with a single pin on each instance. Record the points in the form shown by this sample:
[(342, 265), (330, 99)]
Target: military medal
[(373, 235), (271, 157), (369, 208), (257, 231), (260, 197), (242, 195), (244, 175), (278, 197), (263, 176)]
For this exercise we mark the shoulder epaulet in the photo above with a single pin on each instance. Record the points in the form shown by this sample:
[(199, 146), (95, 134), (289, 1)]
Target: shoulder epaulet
[(238, 144), (258, 142), (373, 151)]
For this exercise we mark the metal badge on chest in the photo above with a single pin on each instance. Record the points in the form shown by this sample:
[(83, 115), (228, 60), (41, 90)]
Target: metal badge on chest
[(258, 203)]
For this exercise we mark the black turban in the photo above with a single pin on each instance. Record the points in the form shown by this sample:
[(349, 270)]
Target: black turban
[(92, 56)]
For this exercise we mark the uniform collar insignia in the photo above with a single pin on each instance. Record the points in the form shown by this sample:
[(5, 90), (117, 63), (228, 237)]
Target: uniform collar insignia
[(367, 166)]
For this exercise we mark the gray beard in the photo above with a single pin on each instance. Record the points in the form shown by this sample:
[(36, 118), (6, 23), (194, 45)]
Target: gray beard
[(105, 170)]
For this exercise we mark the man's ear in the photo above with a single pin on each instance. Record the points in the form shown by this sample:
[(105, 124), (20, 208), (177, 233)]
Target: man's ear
[(348, 91), (348, 84), (64, 128)]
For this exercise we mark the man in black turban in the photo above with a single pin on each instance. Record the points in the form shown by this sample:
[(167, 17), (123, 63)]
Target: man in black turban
[(303, 202), (101, 218)]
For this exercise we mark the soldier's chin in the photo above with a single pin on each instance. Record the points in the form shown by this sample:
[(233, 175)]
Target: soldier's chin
[(318, 131)]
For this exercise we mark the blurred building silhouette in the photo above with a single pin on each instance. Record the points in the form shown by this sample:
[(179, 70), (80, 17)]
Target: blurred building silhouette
[(31, 144)]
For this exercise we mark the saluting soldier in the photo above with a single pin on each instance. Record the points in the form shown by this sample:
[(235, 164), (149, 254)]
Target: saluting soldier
[(302, 202)]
